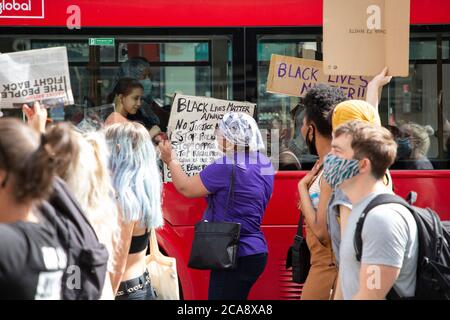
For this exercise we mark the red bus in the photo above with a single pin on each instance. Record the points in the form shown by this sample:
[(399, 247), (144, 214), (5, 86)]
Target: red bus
[(222, 49)]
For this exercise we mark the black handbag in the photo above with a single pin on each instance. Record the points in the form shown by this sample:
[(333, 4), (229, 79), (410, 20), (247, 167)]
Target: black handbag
[(298, 256), (215, 243)]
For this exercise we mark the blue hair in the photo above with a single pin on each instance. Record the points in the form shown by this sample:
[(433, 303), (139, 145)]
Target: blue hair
[(135, 173)]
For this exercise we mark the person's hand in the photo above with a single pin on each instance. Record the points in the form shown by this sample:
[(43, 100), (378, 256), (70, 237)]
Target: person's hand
[(159, 138), (381, 79), (37, 116), (309, 177), (166, 151)]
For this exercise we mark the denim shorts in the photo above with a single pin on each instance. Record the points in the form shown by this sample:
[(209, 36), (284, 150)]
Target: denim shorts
[(139, 288)]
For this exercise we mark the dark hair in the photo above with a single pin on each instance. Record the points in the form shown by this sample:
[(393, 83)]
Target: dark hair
[(319, 102), (124, 86), (28, 159), (370, 141)]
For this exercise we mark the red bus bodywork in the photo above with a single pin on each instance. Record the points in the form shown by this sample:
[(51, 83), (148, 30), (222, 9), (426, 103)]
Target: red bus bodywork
[(281, 218), (202, 13)]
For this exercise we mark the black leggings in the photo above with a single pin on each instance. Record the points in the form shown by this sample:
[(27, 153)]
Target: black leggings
[(236, 284)]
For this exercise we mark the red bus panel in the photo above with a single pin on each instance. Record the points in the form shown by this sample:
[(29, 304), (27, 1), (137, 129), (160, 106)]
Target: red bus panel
[(195, 13)]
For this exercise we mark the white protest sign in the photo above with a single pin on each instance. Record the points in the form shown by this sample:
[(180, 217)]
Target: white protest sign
[(191, 129), (35, 75)]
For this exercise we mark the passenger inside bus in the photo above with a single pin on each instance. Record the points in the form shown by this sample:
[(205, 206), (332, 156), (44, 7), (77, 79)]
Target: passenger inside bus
[(413, 143), (150, 114), (295, 155), (127, 99), (285, 158)]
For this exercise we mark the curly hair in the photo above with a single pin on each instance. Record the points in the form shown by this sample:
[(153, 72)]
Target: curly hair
[(319, 102)]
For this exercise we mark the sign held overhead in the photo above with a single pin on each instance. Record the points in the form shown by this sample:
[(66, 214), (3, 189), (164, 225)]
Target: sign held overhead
[(364, 36), (35, 75)]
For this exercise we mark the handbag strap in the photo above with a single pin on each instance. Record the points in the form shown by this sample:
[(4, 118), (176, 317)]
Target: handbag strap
[(300, 226), (230, 193), (154, 248)]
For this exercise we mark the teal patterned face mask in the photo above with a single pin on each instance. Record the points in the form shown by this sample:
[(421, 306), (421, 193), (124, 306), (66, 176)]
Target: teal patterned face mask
[(336, 170)]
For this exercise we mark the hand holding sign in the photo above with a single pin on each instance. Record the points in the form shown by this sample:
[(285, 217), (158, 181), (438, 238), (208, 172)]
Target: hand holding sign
[(37, 116), (381, 79), (376, 85), (167, 154)]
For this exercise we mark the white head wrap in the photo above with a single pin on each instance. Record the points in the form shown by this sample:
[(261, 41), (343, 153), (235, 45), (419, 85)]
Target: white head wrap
[(241, 129)]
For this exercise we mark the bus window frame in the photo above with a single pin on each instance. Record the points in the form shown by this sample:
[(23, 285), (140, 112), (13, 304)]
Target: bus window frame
[(236, 35), (252, 36)]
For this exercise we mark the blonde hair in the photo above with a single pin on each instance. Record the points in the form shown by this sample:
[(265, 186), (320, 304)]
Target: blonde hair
[(88, 178), (419, 137)]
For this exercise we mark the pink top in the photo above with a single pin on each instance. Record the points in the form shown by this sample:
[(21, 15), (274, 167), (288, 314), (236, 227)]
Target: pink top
[(115, 117)]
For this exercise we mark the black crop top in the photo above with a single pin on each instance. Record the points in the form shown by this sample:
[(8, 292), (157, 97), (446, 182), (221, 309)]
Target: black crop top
[(139, 243)]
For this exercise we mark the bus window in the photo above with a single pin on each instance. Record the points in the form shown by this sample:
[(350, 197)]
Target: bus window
[(276, 111), (410, 107), (200, 66)]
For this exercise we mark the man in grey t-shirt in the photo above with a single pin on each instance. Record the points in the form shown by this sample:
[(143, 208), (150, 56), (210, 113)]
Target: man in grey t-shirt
[(360, 155)]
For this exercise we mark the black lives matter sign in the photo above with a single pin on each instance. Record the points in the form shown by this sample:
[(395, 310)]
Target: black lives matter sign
[(191, 128)]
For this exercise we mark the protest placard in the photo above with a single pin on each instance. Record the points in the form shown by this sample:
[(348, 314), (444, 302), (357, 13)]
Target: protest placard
[(364, 36), (35, 75), (294, 76), (191, 129)]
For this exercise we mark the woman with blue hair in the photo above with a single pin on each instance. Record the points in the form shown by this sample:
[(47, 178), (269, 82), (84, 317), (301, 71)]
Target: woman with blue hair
[(240, 140), (137, 183)]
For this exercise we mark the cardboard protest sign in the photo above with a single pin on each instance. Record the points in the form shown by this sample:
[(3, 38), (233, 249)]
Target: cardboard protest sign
[(364, 36), (294, 76), (35, 75), (191, 129)]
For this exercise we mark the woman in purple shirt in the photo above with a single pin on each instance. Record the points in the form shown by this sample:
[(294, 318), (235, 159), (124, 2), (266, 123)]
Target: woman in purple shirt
[(239, 139)]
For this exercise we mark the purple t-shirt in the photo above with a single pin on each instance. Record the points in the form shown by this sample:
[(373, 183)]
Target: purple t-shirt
[(253, 186)]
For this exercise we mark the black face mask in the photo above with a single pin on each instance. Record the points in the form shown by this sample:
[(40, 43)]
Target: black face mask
[(311, 143)]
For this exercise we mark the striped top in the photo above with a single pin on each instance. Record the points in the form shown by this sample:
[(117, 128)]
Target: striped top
[(314, 190)]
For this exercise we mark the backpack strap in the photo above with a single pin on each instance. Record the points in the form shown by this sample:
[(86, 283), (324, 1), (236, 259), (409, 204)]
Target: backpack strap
[(300, 226), (381, 199)]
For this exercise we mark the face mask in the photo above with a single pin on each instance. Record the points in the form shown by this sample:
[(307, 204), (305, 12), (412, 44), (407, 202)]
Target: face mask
[(311, 144), (148, 86), (336, 170), (403, 148)]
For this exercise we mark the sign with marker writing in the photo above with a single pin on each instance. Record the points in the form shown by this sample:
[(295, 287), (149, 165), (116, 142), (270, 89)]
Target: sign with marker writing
[(364, 36), (192, 126), (35, 75), (294, 76)]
